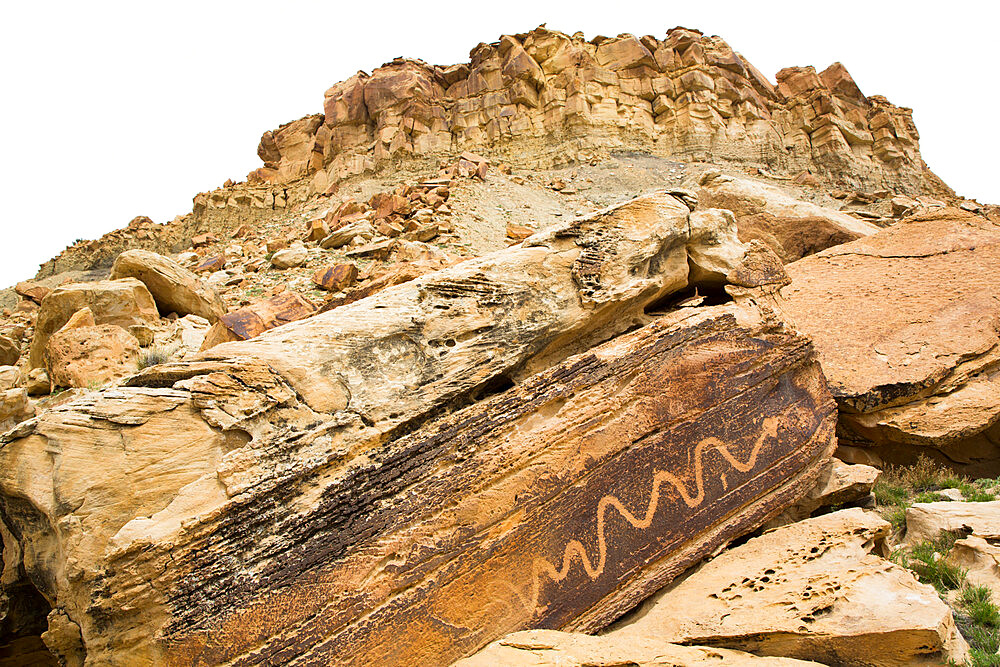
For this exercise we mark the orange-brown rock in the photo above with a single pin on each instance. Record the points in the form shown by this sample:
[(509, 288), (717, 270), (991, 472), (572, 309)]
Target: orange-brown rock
[(89, 356), (258, 317), (336, 278), (519, 232), (33, 291), (789, 226), (907, 323), (120, 302), (210, 264), (395, 275)]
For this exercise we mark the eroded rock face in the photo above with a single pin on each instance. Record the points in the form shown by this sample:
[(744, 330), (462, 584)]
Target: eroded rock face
[(90, 356), (562, 98), (175, 289), (790, 227), (811, 590), (120, 302), (551, 648), (908, 325), (370, 519)]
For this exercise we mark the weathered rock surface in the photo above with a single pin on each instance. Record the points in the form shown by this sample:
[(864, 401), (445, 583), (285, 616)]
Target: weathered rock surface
[(811, 590), (790, 227), (551, 648), (120, 302), (908, 326), (14, 407), (290, 257), (926, 521), (255, 319), (90, 356), (373, 522), (838, 483), (981, 562), (10, 352), (175, 289)]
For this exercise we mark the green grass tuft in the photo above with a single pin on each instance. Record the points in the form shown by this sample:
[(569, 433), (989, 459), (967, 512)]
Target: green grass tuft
[(154, 356)]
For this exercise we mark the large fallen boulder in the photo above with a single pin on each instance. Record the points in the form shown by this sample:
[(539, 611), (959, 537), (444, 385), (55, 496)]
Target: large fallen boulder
[(907, 323), (367, 485), (175, 289), (812, 590), (551, 648), (790, 227), (122, 302)]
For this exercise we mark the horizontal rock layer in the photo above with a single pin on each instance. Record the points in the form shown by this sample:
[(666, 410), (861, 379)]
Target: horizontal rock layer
[(566, 98)]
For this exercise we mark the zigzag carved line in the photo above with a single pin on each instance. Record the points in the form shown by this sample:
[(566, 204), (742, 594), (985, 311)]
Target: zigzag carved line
[(543, 567)]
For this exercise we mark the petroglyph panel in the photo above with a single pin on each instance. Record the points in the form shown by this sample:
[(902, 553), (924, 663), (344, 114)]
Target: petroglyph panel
[(559, 503)]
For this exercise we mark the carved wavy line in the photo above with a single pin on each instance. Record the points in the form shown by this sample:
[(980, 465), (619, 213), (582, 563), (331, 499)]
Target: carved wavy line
[(543, 567)]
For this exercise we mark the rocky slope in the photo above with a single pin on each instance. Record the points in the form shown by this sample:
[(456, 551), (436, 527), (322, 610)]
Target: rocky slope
[(505, 346)]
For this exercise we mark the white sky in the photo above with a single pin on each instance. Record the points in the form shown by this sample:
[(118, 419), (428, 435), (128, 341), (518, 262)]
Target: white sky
[(118, 109)]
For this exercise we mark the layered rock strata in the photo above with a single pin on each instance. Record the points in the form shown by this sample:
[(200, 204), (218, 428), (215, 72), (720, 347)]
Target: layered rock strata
[(294, 496), (567, 98)]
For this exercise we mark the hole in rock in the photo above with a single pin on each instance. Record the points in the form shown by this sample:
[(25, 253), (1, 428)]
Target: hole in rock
[(704, 294)]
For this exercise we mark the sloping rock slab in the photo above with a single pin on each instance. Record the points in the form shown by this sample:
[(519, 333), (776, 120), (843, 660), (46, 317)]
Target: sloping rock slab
[(810, 590), (561, 502), (907, 323), (551, 648)]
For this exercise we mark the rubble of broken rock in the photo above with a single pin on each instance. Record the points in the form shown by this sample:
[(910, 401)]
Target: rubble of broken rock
[(583, 352)]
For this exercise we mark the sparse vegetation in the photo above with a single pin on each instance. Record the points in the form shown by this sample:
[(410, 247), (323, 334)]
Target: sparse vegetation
[(154, 356), (898, 487), (927, 560)]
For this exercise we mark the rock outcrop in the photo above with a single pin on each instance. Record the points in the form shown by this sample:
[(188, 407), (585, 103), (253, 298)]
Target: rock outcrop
[(811, 590), (175, 289), (373, 522), (907, 322), (562, 98)]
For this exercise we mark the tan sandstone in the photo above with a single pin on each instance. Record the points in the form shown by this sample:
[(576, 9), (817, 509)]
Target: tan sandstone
[(175, 289)]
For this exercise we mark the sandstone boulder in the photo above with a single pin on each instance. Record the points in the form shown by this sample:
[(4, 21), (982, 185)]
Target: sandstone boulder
[(927, 521), (14, 408), (175, 289), (89, 356), (336, 278), (10, 352), (9, 376), (792, 228), (389, 493), (908, 324), (812, 590), (344, 235), (120, 302), (551, 648), (290, 257), (981, 562), (839, 483)]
